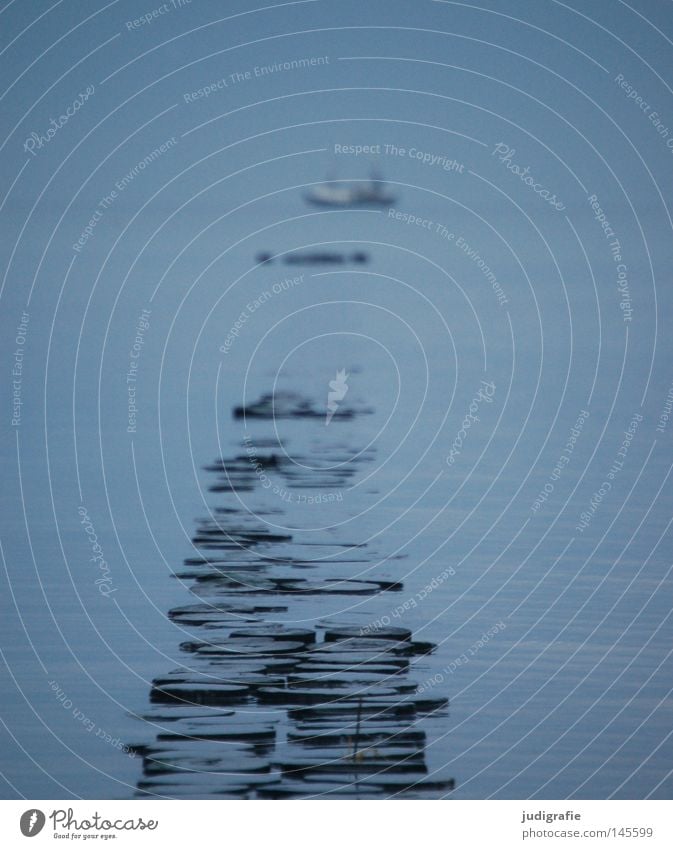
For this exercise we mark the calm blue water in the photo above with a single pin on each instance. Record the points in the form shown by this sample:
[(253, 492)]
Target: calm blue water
[(550, 615)]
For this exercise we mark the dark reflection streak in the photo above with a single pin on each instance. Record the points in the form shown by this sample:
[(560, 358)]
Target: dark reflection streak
[(272, 711)]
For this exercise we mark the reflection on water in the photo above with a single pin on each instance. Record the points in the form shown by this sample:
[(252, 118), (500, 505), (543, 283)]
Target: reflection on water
[(264, 708), (315, 258)]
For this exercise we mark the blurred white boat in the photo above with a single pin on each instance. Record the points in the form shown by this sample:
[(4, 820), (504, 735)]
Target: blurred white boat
[(341, 193)]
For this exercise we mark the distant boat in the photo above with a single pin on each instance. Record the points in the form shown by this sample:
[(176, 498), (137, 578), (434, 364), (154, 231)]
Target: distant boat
[(291, 405), (315, 258), (279, 405), (341, 193)]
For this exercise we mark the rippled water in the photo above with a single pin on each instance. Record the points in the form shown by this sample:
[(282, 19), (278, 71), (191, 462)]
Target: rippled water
[(551, 647), (262, 705), (442, 567)]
